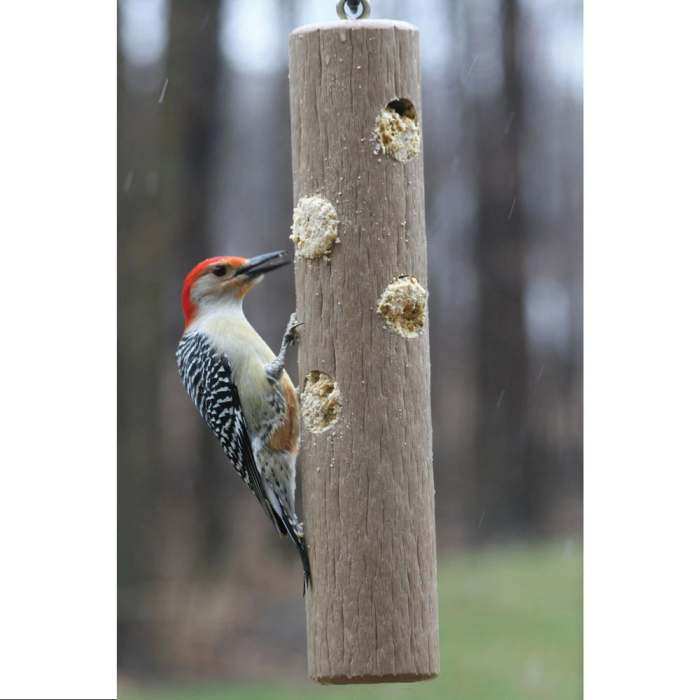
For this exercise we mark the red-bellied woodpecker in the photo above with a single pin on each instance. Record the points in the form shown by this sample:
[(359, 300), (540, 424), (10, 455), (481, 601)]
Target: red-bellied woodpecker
[(240, 387)]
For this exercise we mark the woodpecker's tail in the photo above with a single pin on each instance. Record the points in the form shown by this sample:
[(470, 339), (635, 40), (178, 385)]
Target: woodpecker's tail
[(295, 533), (297, 536), (304, 554)]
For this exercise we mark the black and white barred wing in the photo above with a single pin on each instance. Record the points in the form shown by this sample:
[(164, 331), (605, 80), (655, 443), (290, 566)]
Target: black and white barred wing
[(208, 380)]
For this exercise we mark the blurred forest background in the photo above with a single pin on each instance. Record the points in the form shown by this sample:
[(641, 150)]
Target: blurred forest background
[(206, 590)]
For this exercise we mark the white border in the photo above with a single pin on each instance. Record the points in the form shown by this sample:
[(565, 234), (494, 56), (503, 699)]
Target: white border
[(642, 263), (58, 350)]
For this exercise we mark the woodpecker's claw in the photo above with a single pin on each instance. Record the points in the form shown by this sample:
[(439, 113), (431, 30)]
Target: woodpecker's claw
[(291, 335)]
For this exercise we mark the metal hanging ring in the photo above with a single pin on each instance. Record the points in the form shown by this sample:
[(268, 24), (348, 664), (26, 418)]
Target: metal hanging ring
[(353, 6)]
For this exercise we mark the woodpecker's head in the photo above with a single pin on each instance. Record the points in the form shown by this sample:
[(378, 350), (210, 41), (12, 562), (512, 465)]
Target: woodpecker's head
[(224, 279)]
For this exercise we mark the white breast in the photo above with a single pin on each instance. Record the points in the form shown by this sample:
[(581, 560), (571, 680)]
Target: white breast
[(230, 333)]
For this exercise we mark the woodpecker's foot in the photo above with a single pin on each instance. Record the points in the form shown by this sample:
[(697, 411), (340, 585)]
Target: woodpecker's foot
[(291, 334), (274, 369)]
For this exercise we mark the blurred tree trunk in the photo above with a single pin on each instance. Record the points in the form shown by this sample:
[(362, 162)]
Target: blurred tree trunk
[(191, 124), (502, 384), (141, 329), (192, 488), (166, 138)]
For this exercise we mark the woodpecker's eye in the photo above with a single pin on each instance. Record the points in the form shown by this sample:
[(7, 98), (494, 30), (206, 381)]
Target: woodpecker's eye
[(219, 270)]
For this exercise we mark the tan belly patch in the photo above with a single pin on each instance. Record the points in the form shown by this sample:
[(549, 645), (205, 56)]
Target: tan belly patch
[(286, 436)]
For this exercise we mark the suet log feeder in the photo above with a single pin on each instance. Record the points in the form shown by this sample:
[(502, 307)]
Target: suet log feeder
[(361, 286)]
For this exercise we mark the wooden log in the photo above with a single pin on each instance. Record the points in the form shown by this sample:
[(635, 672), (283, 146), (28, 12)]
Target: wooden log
[(366, 463)]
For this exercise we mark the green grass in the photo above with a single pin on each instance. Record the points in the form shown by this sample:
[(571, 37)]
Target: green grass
[(510, 629)]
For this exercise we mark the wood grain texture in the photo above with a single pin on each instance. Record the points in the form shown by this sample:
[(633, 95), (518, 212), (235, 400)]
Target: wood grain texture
[(367, 482)]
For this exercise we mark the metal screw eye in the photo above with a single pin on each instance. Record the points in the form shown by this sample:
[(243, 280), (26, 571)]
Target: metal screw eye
[(353, 6)]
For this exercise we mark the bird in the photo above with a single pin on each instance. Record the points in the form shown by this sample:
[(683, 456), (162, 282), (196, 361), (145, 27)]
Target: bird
[(241, 388)]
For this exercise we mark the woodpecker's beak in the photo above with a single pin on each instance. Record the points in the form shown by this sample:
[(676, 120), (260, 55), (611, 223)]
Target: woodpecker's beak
[(256, 266)]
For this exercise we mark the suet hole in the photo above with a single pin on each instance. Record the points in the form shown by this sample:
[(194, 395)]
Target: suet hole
[(314, 227), (396, 131), (320, 402), (404, 108), (402, 306)]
